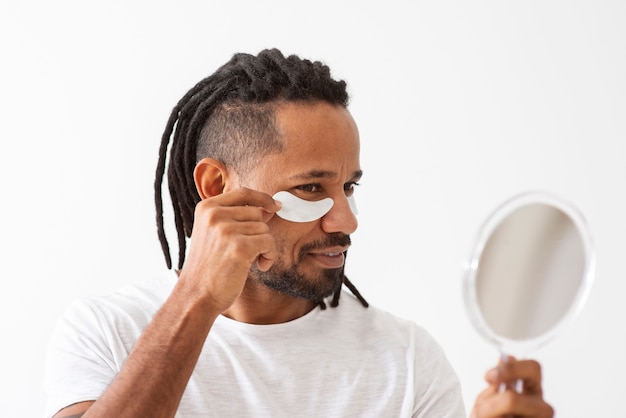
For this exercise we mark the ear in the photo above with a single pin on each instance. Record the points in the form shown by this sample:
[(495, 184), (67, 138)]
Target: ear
[(210, 177)]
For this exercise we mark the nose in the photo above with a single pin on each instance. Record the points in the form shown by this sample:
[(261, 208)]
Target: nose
[(340, 218)]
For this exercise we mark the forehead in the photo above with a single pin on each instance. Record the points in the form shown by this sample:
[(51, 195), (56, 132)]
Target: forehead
[(316, 137)]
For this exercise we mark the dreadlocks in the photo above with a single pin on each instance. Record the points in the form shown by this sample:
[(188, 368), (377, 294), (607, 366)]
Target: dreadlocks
[(229, 116)]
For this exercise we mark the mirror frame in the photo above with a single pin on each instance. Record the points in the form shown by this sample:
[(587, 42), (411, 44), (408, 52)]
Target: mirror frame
[(470, 295)]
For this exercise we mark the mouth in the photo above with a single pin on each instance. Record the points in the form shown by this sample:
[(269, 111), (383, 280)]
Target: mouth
[(329, 258)]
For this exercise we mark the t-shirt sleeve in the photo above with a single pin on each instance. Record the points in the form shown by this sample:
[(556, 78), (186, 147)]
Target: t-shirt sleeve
[(79, 363), (438, 389)]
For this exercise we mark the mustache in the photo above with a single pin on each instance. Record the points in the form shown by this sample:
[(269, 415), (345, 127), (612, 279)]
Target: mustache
[(332, 240)]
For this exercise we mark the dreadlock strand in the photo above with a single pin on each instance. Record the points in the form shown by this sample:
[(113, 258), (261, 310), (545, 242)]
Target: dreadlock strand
[(177, 170), (354, 291), (158, 186), (178, 221), (337, 294), (174, 181), (335, 302), (178, 173)]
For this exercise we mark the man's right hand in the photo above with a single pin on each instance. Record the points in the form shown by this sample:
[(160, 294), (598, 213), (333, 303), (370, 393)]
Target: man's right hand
[(230, 233)]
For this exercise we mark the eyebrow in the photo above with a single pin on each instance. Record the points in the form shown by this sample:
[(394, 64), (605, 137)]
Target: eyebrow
[(321, 174)]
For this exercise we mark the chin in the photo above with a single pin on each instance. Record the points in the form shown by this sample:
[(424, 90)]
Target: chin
[(292, 283)]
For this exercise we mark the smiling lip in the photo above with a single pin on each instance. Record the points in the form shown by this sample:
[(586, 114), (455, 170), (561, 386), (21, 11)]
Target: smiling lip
[(329, 257)]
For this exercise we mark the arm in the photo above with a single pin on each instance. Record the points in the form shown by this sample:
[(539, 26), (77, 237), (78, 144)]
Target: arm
[(492, 403), (230, 233)]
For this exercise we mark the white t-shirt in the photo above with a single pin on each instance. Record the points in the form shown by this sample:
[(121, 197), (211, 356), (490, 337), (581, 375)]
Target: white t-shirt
[(347, 361)]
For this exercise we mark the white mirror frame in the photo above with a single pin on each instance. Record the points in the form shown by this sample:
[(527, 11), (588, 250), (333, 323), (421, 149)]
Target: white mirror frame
[(507, 345)]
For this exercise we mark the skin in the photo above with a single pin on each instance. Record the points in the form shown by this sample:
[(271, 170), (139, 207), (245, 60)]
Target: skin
[(235, 240), (492, 402)]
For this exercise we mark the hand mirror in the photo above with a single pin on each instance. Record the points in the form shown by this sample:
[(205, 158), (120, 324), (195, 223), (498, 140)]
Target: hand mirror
[(530, 272)]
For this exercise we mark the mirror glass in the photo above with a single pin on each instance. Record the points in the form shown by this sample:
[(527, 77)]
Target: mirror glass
[(529, 273)]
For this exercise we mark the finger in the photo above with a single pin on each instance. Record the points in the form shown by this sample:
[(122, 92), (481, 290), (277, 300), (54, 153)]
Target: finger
[(529, 371), (247, 213), (481, 400), (248, 197), (509, 403), (533, 406), (485, 406), (264, 262), (217, 233), (267, 255), (247, 220)]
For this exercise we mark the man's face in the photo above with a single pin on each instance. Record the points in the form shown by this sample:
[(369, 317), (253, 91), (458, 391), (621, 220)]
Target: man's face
[(320, 159)]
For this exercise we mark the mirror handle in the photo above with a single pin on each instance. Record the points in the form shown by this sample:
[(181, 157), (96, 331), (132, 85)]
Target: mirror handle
[(516, 386)]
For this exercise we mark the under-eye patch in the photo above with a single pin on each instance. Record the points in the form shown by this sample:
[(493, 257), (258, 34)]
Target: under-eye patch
[(352, 204), (295, 209)]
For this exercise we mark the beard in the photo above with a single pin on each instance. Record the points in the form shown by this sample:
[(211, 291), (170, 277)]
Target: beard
[(289, 281)]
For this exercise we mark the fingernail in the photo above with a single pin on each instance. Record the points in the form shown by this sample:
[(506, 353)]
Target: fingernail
[(493, 374)]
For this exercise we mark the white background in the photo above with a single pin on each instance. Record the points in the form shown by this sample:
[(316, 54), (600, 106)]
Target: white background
[(460, 106)]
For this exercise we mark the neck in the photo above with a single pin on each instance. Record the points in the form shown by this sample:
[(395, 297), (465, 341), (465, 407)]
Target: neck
[(260, 305)]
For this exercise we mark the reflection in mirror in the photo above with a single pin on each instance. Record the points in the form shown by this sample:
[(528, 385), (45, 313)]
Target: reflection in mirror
[(530, 272)]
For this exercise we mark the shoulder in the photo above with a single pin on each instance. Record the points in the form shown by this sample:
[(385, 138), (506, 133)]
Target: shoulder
[(129, 309), (377, 323), (92, 339)]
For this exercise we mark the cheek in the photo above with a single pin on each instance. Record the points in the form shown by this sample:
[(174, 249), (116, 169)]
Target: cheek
[(289, 237)]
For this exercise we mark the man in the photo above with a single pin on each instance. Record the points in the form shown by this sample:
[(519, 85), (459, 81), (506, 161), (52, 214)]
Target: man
[(262, 169)]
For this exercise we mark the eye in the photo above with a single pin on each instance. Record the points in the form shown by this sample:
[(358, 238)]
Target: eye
[(349, 187), (310, 188)]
